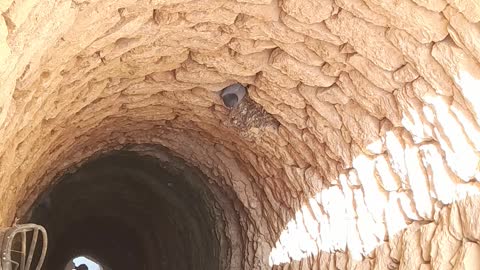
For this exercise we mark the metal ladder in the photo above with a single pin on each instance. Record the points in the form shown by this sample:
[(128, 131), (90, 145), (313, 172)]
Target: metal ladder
[(14, 252)]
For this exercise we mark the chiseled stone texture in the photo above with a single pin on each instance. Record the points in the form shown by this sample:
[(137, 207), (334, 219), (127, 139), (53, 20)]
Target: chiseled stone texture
[(357, 148)]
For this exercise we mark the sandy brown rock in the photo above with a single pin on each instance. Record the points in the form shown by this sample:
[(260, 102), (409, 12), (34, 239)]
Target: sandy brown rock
[(406, 73), (360, 9), (368, 39), (308, 11), (378, 102), (434, 5), (462, 68), (316, 30), (302, 53), (425, 64), (469, 8), (381, 78), (310, 75), (424, 25), (463, 32), (469, 255), (356, 146)]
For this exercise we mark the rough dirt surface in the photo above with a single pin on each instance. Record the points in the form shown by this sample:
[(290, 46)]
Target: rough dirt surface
[(362, 151)]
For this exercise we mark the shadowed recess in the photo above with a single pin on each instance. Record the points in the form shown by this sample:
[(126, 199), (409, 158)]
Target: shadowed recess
[(134, 212)]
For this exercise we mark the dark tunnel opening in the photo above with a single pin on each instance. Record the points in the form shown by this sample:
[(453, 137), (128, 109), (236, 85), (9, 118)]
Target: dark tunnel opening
[(132, 210)]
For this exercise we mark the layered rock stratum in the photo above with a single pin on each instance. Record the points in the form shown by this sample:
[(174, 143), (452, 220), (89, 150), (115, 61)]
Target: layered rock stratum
[(356, 148)]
